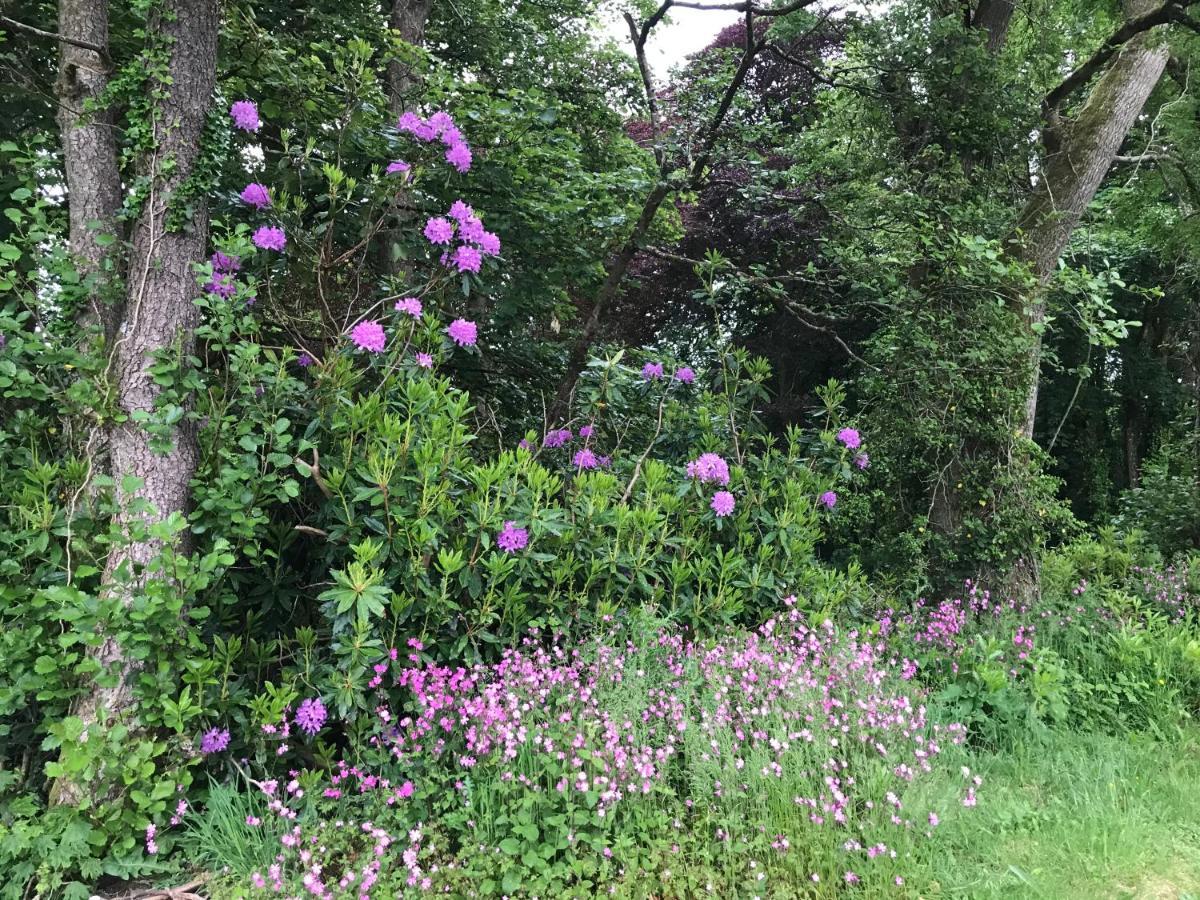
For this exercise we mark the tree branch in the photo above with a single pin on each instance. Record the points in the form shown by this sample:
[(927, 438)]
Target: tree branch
[(102, 52), (1165, 14), (747, 7)]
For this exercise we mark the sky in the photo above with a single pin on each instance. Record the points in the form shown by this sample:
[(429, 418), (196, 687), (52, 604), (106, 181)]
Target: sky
[(687, 31)]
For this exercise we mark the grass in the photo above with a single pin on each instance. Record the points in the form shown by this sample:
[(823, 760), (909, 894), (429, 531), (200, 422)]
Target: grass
[(1085, 816)]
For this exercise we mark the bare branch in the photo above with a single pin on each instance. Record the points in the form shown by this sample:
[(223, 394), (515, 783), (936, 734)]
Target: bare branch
[(50, 35), (747, 7), (639, 46)]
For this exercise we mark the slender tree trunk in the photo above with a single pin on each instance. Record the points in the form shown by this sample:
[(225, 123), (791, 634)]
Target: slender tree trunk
[(1072, 174), (159, 317), (993, 16), (89, 145), (408, 18)]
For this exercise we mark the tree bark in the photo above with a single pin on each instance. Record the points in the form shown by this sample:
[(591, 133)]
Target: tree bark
[(89, 145), (169, 239), (993, 16), (1073, 171), (408, 18)]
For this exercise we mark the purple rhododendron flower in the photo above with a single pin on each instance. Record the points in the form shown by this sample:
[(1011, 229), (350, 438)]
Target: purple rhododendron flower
[(850, 438), (467, 259), (304, 360), (459, 156), (585, 459), (269, 238), (829, 498), (470, 229), (652, 371), (557, 438), (862, 460), (410, 305), (723, 503), (440, 121), (463, 332), (424, 360), (685, 375), (369, 335), (489, 244), (708, 467), (399, 166), (585, 431), (512, 538), (439, 230), (214, 741), (221, 285), (245, 115), (310, 716), (223, 263), (460, 212), (256, 195)]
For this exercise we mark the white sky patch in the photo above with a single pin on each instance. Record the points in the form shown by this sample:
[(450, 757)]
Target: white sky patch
[(684, 32)]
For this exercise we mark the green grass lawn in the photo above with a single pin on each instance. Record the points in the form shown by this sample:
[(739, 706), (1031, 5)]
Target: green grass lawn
[(1083, 817)]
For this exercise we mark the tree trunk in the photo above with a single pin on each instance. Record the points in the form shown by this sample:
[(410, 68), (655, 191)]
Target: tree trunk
[(159, 317), (89, 145), (408, 18), (993, 17), (1072, 174)]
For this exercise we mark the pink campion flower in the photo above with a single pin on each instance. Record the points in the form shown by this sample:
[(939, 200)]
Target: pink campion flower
[(862, 460), (586, 431), (410, 305), (685, 375), (652, 371), (310, 716), (459, 156), (467, 259), (585, 459), (460, 212), (851, 878), (245, 115), (850, 438), (463, 332), (512, 538), (424, 360), (723, 503), (439, 230), (256, 195), (369, 335), (151, 846), (214, 740), (709, 467), (406, 790), (829, 498), (489, 244), (268, 237)]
